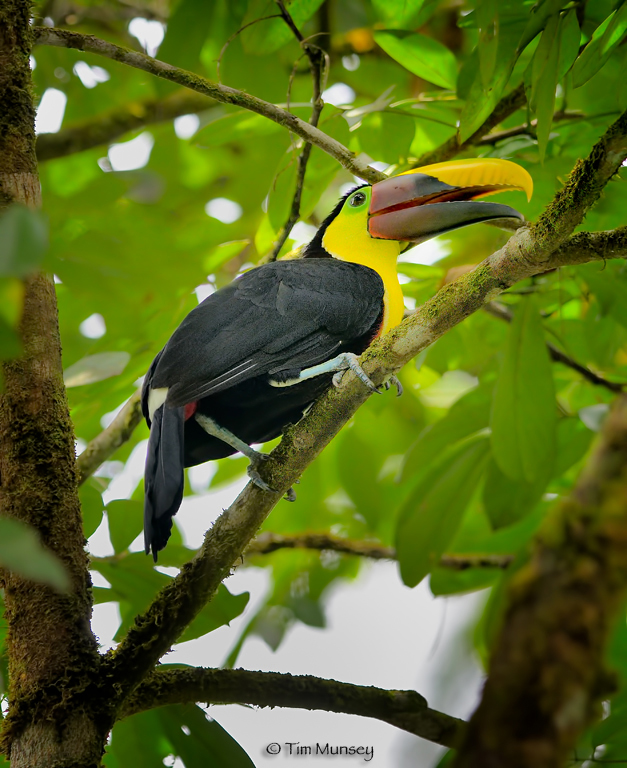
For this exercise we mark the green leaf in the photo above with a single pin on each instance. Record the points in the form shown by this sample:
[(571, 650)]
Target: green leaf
[(135, 582), (480, 102), (187, 30), (198, 740), (386, 136), (397, 13), (138, 740), (240, 126), (94, 368), (541, 14), (507, 501), (223, 608), (228, 470), (524, 410), (544, 81), (271, 34), (282, 191), (434, 510), (569, 42), (23, 241), (488, 18), (468, 415), (605, 39), (425, 57), (22, 552), (420, 271), (219, 255), (126, 520), (359, 478), (92, 507), (610, 286), (573, 441)]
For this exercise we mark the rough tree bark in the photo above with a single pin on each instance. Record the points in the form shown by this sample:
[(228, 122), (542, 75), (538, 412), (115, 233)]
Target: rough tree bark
[(49, 642)]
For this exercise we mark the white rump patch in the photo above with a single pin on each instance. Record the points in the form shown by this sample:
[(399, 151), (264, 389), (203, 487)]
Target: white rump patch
[(287, 383), (156, 398)]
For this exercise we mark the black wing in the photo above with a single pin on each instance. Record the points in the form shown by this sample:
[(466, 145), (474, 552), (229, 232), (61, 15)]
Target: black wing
[(282, 316)]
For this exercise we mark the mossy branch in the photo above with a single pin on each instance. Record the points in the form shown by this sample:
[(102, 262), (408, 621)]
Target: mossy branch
[(407, 710), (266, 543), (581, 248), (111, 125), (528, 252), (546, 677), (109, 440), (64, 39)]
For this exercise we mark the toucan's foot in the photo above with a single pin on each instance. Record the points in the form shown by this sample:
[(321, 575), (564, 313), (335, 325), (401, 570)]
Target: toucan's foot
[(252, 470), (396, 382), (350, 361)]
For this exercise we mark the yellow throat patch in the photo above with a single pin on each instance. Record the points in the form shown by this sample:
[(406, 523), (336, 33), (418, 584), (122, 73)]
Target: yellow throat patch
[(347, 238)]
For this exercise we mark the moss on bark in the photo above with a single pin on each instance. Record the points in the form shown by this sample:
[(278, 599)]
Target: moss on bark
[(52, 722)]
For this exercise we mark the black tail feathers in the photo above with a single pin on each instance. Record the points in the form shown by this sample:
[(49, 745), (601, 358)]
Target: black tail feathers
[(164, 477)]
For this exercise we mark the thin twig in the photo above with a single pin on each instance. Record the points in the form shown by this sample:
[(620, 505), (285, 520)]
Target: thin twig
[(62, 38), (407, 710), (527, 129), (317, 65), (234, 35), (507, 106), (267, 543), (108, 441), (503, 313)]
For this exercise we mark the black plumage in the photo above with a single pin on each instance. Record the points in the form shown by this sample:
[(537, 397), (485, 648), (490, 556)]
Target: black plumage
[(268, 325)]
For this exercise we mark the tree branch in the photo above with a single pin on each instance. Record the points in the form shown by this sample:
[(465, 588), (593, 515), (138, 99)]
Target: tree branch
[(110, 125), (528, 252), (317, 64), (503, 313), (64, 39), (527, 129), (110, 439), (267, 543), (506, 107), (578, 249), (546, 676), (407, 710)]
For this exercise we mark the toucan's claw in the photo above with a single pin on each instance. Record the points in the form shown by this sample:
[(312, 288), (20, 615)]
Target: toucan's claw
[(351, 361), (393, 380), (253, 474)]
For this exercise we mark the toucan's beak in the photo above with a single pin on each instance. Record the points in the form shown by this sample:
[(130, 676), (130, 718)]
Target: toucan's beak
[(420, 204)]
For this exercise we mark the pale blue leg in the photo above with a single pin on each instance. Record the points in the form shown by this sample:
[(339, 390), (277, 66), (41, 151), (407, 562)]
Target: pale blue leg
[(212, 428), (340, 364), (343, 362)]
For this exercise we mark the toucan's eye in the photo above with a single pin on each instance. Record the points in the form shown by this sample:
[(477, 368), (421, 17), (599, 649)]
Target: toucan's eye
[(359, 198)]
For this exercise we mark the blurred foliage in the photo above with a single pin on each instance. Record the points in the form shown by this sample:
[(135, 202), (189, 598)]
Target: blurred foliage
[(489, 431)]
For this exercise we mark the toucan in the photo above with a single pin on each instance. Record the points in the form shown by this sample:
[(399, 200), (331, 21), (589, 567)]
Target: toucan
[(252, 357)]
